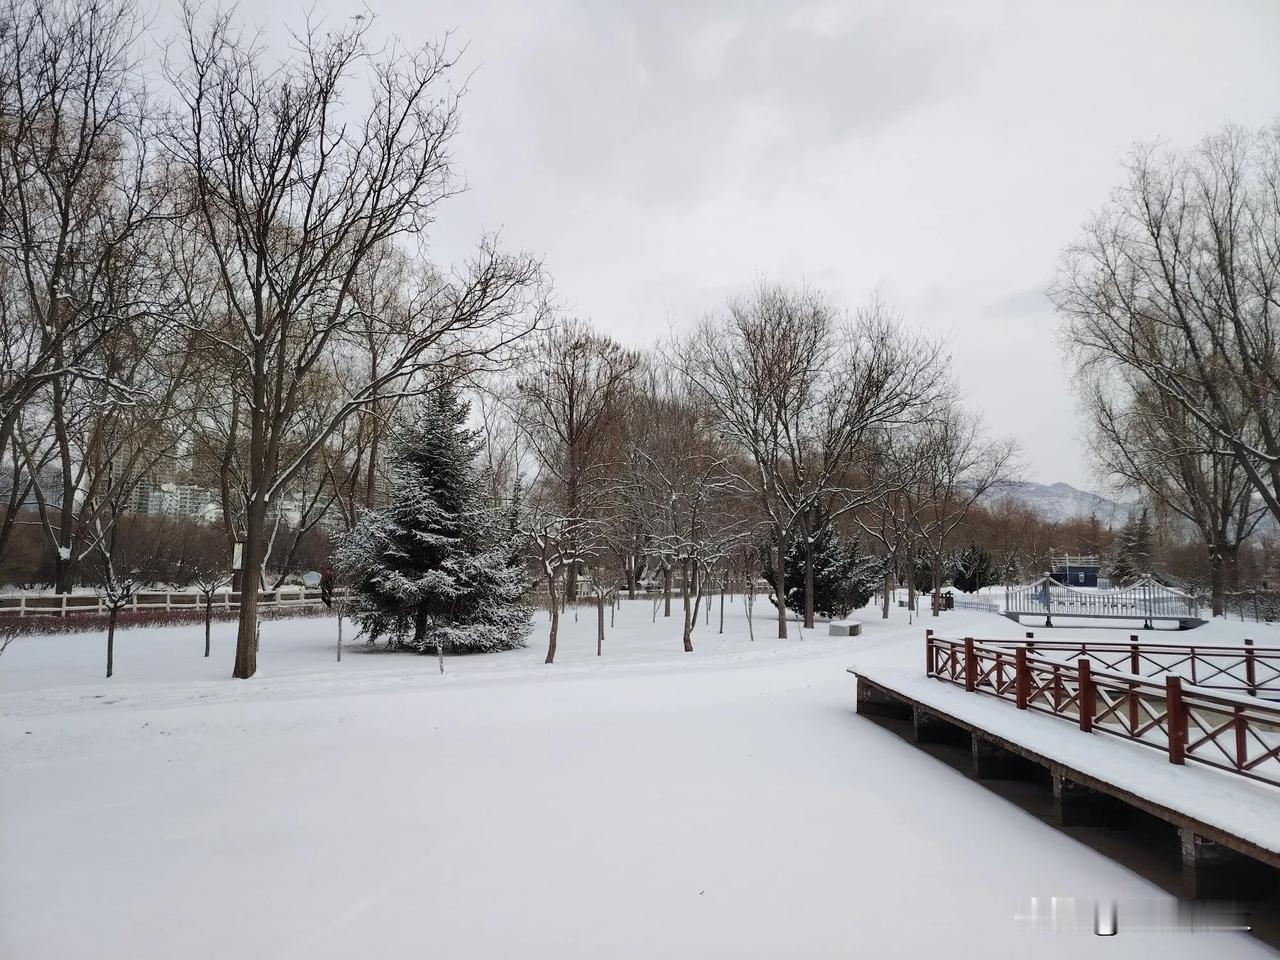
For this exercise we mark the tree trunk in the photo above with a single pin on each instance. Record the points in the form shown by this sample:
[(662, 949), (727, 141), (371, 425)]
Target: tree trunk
[(684, 593), (749, 601), (208, 620), (246, 664), (63, 562), (780, 580), (18, 493), (111, 639), (376, 432), (937, 586), (888, 592), (599, 624), (808, 583), (339, 633), (723, 586), (666, 590), (555, 618), (62, 572), (807, 532), (1218, 579)]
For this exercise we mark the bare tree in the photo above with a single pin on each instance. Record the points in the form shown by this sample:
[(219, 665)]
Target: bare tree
[(1176, 283), (74, 202), (958, 467), (209, 581), (293, 194), (569, 396), (1149, 442), (125, 561), (891, 518), (689, 486), (880, 379), (559, 544), (756, 367), (803, 393)]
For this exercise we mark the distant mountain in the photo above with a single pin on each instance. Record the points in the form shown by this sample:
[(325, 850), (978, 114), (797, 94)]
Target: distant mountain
[(1061, 501)]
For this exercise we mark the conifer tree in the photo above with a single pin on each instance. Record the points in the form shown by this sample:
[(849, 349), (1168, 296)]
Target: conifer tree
[(1131, 553), (438, 570), (844, 579), (974, 569)]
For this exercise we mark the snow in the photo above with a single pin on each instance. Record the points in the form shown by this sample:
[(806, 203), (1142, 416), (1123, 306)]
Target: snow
[(1245, 808), (724, 803)]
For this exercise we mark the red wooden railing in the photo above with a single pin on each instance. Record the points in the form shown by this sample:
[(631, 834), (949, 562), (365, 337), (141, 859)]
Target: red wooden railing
[(1249, 669), (1233, 732)]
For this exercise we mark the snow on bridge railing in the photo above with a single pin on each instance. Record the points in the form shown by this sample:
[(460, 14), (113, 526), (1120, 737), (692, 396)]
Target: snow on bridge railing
[(1250, 668), (1240, 734)]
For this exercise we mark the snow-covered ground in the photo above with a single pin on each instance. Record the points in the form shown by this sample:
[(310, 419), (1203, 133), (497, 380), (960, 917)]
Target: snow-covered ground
[(724, 803)]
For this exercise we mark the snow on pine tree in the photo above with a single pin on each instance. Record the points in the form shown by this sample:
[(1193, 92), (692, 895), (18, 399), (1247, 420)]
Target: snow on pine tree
[(438, 570), (1131, 553), (973, 568), (844, 578)]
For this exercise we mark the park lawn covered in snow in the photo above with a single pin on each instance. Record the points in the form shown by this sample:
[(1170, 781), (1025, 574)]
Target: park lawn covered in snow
[(724, 803)]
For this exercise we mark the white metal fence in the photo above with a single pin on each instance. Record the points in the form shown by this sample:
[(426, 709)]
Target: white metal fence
[(70, 605)]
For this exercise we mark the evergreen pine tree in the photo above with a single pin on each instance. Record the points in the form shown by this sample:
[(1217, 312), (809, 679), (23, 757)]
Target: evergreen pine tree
[(973, 570), (922, 572), (1092, 545), (1140, 547), (843, 578), (437, 568), (1119, 561), (1131, 553)]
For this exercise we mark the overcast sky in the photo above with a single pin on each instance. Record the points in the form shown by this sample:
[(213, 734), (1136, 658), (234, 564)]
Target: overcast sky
[(661, 156)]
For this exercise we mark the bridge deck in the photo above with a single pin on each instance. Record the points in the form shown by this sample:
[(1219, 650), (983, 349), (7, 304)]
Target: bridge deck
[(1239, 814), (1184, 622)]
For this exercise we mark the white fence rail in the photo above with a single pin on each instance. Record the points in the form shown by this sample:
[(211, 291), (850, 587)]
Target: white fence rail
[(71, 605)]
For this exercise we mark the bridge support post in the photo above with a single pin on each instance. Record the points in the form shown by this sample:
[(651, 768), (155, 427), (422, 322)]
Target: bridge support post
[(994, 762), (874, 702), (1075, 805), (929, 728), (1211, 871)]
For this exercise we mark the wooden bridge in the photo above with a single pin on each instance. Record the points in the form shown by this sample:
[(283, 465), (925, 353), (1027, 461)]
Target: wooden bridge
[(1191, 737), (1219, 719), (1146, 600)]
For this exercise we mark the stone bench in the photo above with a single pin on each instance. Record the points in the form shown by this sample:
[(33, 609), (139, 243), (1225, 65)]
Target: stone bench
[(844, 628)]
